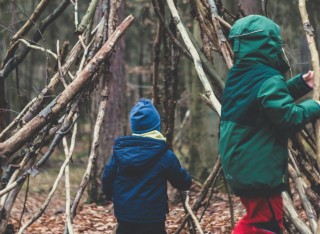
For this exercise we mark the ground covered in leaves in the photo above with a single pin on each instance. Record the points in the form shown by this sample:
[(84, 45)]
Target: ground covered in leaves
[(92, 218)]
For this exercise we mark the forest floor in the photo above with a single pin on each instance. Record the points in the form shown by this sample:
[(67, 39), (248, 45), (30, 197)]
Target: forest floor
[(93, 218)]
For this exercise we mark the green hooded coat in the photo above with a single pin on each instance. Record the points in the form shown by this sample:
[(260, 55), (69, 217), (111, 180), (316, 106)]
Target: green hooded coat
[(259, 110)]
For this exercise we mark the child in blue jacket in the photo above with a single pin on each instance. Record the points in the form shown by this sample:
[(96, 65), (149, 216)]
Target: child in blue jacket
[(136, 177)]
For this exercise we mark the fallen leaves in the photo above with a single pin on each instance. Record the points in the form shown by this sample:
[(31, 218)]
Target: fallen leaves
[(93, 218)]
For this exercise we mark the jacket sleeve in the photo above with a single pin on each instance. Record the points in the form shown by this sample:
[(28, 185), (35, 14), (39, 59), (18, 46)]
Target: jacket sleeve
[(176, 174), (279, 105), (297, 87), (108, 176)]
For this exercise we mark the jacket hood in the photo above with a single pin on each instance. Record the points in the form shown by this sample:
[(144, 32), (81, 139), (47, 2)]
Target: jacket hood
[(257, 39), (135, 154)]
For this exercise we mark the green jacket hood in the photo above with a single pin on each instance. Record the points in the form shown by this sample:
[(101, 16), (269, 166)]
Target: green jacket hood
[(257, 39)]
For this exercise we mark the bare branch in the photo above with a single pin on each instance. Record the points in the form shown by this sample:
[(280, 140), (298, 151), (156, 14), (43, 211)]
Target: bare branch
[(87, 17), (197, 62), (25, 29), (194, 218), (11, 145)]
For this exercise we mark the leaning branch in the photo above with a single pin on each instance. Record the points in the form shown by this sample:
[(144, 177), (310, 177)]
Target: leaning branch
[(315, 64), (196, 59), (304, 200), (25, 29), (49, 113), (293, 215), (193, 216)]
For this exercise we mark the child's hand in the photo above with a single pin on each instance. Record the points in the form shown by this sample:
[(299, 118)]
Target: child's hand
[(309, 79)]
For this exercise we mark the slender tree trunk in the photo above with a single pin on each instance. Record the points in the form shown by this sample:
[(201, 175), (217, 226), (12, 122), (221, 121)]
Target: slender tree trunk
[(115, 120), (249, 7), (3, 106)]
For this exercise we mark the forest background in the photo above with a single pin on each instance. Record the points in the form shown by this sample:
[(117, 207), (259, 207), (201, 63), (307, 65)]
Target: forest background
[(45, 45)]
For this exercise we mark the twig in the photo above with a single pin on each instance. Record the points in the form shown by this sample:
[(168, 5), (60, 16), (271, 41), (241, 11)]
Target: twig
[(38, 48), (68, 152), (85, 53), (223, 22), (210, 194), (47, 201), (227, 54), (194, 218), (204, 190)]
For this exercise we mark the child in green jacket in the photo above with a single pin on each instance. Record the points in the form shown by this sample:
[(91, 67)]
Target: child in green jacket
[(258, 113)]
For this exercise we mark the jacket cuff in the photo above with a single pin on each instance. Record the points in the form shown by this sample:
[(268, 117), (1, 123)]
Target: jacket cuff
[(306, 86), (298, 87)]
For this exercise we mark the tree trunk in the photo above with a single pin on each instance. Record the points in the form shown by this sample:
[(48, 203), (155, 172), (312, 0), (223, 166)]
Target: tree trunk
[(115, 120), (250, 7)]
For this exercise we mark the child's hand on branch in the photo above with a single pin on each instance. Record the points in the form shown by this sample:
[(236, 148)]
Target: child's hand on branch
[(309, 78)]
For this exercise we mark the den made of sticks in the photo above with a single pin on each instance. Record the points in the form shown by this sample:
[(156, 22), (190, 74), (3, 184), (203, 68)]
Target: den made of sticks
[(70, 71)]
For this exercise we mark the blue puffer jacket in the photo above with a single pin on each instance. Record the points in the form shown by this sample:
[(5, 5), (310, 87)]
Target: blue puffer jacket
[(136, 178)]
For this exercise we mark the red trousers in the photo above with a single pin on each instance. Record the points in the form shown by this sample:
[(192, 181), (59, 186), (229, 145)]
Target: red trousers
[(259, 211)]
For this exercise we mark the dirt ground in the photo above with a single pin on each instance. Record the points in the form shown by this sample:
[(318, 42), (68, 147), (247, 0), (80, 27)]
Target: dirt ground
[(92, 218)]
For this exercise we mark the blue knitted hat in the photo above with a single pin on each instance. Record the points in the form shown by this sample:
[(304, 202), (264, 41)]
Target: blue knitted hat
[(144, 117)]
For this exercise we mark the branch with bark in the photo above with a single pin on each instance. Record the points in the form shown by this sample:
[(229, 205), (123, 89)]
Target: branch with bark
[(49, 113)]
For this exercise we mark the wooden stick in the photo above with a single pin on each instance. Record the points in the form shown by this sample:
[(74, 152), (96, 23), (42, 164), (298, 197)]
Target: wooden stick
[(196, 59), (293, 215), (315, 64), (204, 190), (39, 48), (305, 202), (194, 218), (224, 48), (68, 152), (316, 68)]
